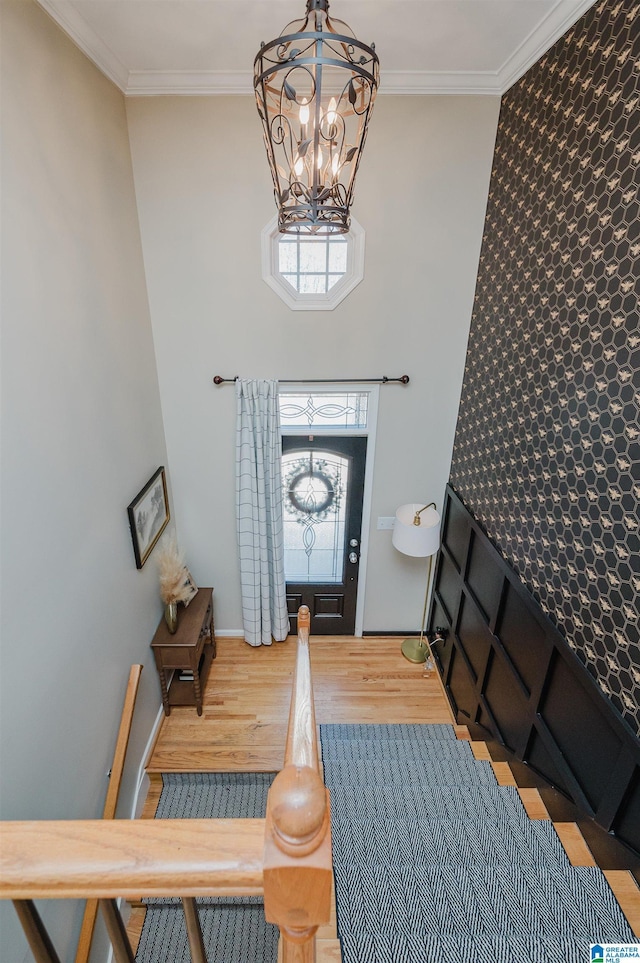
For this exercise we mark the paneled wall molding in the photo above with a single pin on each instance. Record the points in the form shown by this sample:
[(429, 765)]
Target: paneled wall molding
[(507, 668)]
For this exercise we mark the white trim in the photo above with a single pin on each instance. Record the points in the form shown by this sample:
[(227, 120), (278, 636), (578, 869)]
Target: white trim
[(420, 82), (367, 501), (229, 633), (208, 83), (142, 778), (189, 83), (271, 275), (541, 39), (88, 41), (369, 433)]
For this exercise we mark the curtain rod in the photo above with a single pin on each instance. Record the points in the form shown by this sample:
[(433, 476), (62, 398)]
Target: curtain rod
[(403, 380)]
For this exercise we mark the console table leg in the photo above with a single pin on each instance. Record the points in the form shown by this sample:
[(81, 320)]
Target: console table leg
[(165, 692), (197, 691)]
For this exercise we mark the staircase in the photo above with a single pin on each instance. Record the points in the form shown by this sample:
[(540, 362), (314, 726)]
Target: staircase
[(434, 860), (233, 928)]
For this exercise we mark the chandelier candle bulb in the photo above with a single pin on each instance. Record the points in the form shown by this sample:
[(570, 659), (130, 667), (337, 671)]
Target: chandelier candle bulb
[(304, 118), (315, 86)]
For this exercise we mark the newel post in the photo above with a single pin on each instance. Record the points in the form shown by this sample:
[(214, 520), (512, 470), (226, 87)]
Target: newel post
[(297, 860)]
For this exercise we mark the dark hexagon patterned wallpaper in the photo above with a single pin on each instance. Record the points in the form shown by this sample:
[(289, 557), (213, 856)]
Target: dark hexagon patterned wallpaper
[(547, 450)]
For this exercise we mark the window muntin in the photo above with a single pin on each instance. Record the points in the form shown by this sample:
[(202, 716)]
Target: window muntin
[(312, 273), (312, 265)]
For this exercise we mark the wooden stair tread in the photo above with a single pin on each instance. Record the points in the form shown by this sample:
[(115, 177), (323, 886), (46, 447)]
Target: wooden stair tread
[(328, 951), (574, 844), (627, 893), (225, 760)]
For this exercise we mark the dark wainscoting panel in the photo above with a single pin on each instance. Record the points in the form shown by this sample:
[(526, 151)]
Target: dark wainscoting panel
[(507, 668)]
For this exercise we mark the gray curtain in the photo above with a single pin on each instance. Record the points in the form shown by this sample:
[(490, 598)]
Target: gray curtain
[(259, 512)]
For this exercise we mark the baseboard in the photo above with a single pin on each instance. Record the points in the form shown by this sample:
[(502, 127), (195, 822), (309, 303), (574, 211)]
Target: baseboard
[(142, 782), (229, 633), (391, 633)]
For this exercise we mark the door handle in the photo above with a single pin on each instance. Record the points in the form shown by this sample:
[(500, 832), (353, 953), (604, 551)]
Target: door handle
[(353, 557)]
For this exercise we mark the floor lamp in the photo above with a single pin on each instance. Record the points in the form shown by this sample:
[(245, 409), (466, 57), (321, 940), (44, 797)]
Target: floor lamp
[(416, 532)]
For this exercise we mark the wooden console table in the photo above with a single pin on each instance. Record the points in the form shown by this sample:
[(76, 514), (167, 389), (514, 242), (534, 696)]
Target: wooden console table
[(187, 653)]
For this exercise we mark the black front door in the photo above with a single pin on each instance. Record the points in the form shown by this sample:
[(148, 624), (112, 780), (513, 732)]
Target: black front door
[(323, 487)]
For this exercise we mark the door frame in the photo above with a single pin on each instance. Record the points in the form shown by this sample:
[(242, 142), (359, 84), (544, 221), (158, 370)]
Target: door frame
[(370, 434)]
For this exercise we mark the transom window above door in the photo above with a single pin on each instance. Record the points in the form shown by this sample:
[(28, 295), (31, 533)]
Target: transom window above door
[(336, 410), (312, 273)]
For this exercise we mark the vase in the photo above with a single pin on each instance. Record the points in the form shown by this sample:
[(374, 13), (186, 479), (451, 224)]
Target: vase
[(171, 616)]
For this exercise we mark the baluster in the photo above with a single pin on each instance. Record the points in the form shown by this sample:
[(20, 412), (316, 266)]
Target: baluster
[(34, 929), (194, 930), (122, 951)]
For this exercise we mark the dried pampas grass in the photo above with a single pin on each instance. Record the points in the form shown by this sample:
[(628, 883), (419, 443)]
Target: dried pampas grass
[(176, 585)]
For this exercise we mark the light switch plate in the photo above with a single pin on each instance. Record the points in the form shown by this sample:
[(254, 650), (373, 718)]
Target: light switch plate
[(385, 522)]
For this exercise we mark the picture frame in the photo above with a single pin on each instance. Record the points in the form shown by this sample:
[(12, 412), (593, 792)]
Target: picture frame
[(149, 516)]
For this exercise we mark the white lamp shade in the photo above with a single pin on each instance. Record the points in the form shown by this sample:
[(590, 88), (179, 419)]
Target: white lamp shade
[(417, 540)]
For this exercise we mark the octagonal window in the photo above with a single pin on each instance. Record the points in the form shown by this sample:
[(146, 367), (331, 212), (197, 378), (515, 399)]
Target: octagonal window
[(312, 273)]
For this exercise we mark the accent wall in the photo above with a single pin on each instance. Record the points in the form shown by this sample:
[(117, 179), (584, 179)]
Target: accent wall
[(547, 448)]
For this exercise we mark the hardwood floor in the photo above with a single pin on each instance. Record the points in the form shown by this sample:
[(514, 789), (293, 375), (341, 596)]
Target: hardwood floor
[(246, 701), (246, 707)]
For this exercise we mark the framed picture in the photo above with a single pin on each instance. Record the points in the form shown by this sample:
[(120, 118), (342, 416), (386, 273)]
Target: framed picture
[(149, 516)]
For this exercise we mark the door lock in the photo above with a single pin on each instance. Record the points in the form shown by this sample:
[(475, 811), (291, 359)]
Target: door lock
[(353, 543), (353, 557)]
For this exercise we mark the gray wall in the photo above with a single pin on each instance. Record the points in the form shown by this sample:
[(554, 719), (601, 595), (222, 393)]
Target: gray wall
[(81, 433), (204, 195)]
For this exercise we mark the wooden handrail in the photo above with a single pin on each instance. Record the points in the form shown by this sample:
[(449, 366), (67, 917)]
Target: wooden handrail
[(302, 741), (100, 859), (111, 801), (286, 857), (297, 855)]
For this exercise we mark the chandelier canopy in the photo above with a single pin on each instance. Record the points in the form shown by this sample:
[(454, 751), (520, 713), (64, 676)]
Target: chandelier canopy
[(315, 86)]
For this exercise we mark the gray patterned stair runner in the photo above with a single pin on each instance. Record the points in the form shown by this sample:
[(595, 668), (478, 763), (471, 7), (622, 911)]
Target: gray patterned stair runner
[(233, 928), (434, 861)]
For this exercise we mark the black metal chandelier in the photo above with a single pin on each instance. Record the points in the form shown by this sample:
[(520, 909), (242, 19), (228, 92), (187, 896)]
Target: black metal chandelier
[(315, 86)]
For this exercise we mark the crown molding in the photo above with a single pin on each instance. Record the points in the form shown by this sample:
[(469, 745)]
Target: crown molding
[(541, 39), (84, 37), (438, 82), (190, 83), (151, 83)]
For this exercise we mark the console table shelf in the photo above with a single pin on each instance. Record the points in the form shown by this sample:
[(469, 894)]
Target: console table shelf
[(191, 649)]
